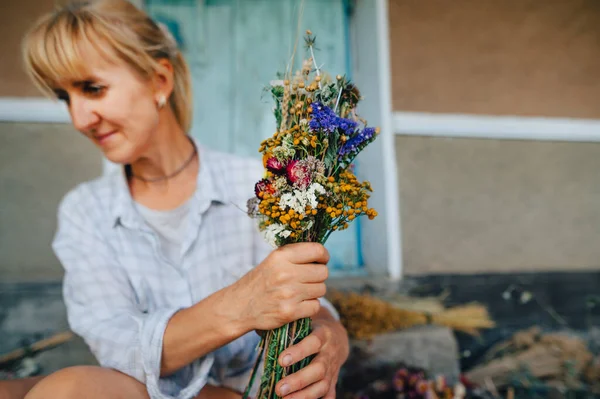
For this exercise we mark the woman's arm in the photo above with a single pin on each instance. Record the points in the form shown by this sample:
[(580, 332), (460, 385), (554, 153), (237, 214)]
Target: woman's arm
[(282, 288), (193, 332)]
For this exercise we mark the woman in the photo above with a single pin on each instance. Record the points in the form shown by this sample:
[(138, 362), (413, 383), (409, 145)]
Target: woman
[(160, 275)]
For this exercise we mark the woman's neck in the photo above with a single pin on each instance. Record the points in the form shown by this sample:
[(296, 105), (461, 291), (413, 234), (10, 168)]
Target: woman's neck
[(169, 150)]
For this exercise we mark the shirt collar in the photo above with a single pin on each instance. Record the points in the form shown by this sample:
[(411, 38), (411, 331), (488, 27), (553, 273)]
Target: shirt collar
[(210, 187)]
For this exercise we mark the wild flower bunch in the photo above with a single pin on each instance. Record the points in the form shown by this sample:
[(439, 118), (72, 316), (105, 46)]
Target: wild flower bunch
[(309, 189), (412, 383)]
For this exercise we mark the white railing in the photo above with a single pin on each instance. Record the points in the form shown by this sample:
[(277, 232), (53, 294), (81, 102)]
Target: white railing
[(496, 127), (32, 109)]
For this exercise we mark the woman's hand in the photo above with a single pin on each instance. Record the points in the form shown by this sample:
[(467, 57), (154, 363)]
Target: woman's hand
[(283, 288), (329, 340)]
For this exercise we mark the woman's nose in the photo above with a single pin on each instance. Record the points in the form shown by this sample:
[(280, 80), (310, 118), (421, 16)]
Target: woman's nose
[(83, 114)]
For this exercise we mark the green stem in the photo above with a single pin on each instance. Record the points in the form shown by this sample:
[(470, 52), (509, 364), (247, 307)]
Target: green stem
[(275, 342), (255, 369)]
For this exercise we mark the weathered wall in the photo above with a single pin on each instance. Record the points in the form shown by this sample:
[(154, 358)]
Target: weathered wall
[(39, 164), (472, 206), (16, 17), (514, 57)]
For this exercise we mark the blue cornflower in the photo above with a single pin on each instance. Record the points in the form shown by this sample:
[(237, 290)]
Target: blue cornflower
[(354, 143), (323, 118)]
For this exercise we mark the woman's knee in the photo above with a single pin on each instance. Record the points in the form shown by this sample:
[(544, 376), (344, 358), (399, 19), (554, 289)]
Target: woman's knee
[(62, 384), (87, 382)]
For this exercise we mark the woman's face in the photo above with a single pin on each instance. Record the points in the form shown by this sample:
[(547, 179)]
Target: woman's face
[(114, 107)]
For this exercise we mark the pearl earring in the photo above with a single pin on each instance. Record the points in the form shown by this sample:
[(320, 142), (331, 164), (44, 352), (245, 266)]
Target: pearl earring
[(161, 101)]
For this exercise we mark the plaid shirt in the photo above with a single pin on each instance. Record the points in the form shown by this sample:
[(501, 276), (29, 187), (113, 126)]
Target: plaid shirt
[(121, 291)]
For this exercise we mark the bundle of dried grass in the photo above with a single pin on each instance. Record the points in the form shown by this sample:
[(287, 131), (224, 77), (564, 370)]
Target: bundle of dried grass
[(365, 316), (549, 357)]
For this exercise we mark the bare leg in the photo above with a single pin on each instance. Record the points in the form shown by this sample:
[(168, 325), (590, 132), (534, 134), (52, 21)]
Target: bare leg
[(91, 382), (17, 389), (210, 392), (88, 382)]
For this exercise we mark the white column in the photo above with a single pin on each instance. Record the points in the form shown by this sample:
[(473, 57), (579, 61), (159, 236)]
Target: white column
[(381, 238)]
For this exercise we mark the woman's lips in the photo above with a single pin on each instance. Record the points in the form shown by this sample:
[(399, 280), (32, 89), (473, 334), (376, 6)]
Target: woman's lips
[(102, 138)]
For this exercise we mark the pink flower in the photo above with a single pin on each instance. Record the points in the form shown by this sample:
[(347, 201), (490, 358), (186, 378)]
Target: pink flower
[(422, 387), (263, 186), (299, 174), (402, 373), (399, 384), (276, 166)]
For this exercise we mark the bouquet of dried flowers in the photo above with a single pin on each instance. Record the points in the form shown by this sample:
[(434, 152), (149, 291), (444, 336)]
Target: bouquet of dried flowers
[(309, 189)]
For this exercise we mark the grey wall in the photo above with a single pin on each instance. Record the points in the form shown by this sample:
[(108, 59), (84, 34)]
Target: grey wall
[(485, 206), (39, 164), (481, 206)]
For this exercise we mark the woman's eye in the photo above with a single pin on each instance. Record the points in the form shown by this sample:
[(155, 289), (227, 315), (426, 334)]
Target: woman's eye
[(94, 89)]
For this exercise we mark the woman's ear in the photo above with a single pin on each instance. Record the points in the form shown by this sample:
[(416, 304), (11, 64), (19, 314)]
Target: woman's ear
[(163, 80)]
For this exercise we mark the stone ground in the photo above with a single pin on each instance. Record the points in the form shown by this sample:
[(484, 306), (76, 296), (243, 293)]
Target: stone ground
[(29, 312), (32, 311)]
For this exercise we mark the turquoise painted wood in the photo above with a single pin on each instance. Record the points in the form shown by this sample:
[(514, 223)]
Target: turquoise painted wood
[(234, 48)]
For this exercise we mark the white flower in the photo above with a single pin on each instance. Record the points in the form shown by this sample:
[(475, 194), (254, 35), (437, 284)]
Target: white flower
[(298, 200), (459, 391), (274, 231), (312, 191), (294, 200), (303, 122)]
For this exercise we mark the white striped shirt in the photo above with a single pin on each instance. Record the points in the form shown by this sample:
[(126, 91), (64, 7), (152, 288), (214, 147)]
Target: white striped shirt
[(121, 290)]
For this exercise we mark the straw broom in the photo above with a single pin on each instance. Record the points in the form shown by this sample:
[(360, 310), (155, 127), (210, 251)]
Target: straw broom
[(365, 316)]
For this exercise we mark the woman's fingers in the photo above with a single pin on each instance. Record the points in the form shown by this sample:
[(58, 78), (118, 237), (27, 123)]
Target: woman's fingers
[(305, 252), (314, 391), (318, 379), (310, 382), (312, 273), (307, 308), (312, 291), (308, 346)]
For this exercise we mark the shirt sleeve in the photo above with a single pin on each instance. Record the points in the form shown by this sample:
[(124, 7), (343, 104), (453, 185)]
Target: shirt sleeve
[(102, 308)]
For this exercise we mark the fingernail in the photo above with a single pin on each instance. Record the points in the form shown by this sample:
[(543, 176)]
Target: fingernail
[(285, 389), (287, 360)]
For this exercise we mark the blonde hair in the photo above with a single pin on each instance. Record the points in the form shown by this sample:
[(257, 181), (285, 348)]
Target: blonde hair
[(51, 49)]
